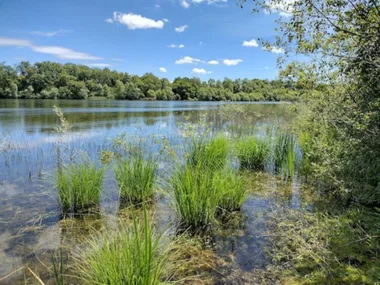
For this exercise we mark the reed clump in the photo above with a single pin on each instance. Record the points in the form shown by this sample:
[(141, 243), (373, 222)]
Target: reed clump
[(284, 154), (134, 254), (231, 190), (136, 178), (253, 153), (79, 187), (210, 154)]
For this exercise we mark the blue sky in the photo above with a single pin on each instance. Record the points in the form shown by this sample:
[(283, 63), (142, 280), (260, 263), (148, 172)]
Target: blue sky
[(135, 36)]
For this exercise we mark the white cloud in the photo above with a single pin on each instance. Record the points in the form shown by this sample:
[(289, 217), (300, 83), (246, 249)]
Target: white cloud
[(231, 62), (184, 4), (158, 6), (201, 43), (274, 49), (49, 33), (15, 42), (109, 21), (64, 53), (209, 1), (201, 71), (251, 43), (181, 29), (176, 46), (213, 62), (165, 20), (266, 67), (99, 64), (163, 69), (188, 60), (284, 7), (134, 21), (57, 51)]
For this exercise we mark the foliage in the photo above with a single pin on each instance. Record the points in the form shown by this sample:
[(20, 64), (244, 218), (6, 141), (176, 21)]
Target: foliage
[(50, 80), (79, 187), (136, 177), (325, 248), (133, 254)]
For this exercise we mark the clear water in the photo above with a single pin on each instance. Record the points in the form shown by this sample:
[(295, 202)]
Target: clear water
[(30, 227)]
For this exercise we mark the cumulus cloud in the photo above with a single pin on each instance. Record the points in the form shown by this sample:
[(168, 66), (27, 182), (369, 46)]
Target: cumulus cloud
[(274, 49), (181, 29), (48, 33), (184, 4), (60, 52), (213, 62), (134, 21), (231, 62), (284, 7), (188, 60), (251, 43), (163, 69), (200, 71), (176, 46), (165, 20)]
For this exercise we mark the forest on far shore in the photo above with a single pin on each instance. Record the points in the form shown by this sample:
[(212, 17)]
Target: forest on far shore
[(51, 80)]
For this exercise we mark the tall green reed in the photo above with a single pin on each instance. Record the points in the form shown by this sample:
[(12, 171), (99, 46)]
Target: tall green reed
[(284, 154), (134, 254), (136, 178), (253, 152), (79, 187)]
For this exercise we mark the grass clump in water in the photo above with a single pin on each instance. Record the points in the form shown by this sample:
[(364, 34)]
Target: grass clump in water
[(253, 153), (79, 187), (136, 178), (231, 190), (134, 254), (284, 154), (209, 155), (194, 196)]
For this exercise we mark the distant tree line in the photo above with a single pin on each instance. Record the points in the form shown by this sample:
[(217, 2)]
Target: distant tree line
[(50, 80)]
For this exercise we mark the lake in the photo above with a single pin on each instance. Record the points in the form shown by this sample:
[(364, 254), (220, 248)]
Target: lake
[(31, 149)]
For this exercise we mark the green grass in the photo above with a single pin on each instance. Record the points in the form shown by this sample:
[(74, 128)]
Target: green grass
[(284, 154), (133, 254), (194, 196), (253, 153), (231, 190), (79, 187), (136, 177), (209, 154)]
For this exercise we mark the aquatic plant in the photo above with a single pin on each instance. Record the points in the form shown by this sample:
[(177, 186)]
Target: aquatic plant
[(136, 177), (253, 152), (79, 186), (133, 254), (230, 188), (284, 154), (210, 154), (194, 196)]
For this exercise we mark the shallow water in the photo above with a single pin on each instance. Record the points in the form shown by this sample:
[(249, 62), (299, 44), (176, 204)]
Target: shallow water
[(30, 226)]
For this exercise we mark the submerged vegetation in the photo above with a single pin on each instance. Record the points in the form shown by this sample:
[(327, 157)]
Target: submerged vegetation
[(79, 187)]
